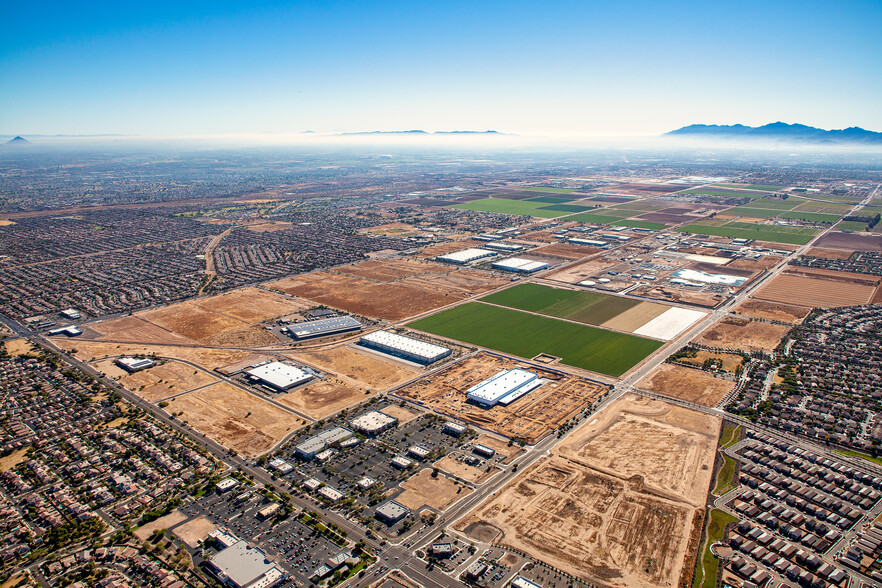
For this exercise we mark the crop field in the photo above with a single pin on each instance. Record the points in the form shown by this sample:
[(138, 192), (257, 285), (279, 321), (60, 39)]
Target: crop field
[(530, 418), (743, 334), (566, 208), (234, 418), (552, 199), (578, 305), (594, 508), (641, 224), (810, 217), (852, 226), (686, 383), (504, 206), (725, 193), (751, 187), (850, 241), (438, 493), (818, 290), (551, 190), (775, 234), (595, 218), (528, 335), (394, 300)]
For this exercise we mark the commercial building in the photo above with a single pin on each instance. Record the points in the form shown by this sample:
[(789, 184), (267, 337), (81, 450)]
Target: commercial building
[(591, 242), (476, 570), (484, 451), (418, 452), (466, 255), (331, 494), (311, 447), (520, 265), (226, 485), (503, 388), (522, 582), (243, 566), (391, 512), (455, 429), (404, 347), (278, 376), (70, 331), (504, 246), (269, 511), (71, 314), (323, 327), (373, 422), (133, 364), (280, 465), (366, 483), (401, 462), (442, 550)]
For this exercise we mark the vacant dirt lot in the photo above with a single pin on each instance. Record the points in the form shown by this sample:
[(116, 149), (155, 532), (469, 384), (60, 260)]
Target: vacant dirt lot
[(618, 503), (686, 384), (530, 417), (828, 253), (436, 493), (17, 346), (773, 311), (323, 398), (815, 292), (763, 263), (161, 381), (402, 413), (850, 241), (235, 419), (634, 318), (192, 532), (744, 334), (202, 356), (442, 248), (581, 271), (367, 368), (136, 330), (475, 475), (387, 270), (673, 295), (501, 445), (170, 520), (567, 251)]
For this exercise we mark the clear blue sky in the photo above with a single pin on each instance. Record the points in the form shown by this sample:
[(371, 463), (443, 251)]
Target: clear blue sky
[(158, 67)]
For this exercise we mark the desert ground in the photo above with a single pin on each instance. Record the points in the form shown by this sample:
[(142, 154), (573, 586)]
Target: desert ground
[(773, 311), (368, 369), (620, 502), (473, 474), (530, 417), (161, 381), (437, 493), (17, 346), (170, 520), (192, 532), (819, 290), (687, 384), (743, 334), (323, 398)]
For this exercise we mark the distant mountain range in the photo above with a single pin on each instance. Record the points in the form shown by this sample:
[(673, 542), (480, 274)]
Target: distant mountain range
[(17, 141), (421, 132), (782, 132)]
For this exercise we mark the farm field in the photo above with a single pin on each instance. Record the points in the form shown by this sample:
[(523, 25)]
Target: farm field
[(743, 334), (528, 335), (531, 417), (734, 193), (817, 290), (688, 384), (436, 493), (578, 305), (504, 206), (581, 509), (323, 398), (850, 241), (641, 224), (773, 311), (751, 187), (234, 418), (771, 233), (670, 323)]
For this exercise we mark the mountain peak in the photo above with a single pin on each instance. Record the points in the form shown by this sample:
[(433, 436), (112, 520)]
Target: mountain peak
[(781, 131), (18, 140)]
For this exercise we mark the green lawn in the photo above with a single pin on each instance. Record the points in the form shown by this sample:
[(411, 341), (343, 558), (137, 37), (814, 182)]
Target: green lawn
[(706, 572), (528, 335), (586, 307), (791, 235), (858, 454), (639, 224), (730, 436), (500, 205), (724, 478)]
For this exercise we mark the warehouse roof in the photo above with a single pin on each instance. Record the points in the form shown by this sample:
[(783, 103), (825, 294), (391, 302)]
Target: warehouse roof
[(326, 326), (405, 344), (502, 384), (244, 565), (519, 264), (279, 375), (466, 255)]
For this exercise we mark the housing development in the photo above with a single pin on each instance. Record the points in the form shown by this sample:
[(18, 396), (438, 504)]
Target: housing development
[(408, 369)]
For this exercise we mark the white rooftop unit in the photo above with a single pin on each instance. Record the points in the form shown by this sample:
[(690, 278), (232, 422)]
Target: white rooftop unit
[(279, 375), (133, 364), (504, 388), (405, 347), (518, 264), (466, 255)]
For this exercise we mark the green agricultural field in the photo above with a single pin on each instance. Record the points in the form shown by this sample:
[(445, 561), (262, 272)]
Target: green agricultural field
[(592, 218), (750, 186), (812, 217), (527, 335), (752, 212), (823, 207), (791, 235), (775, 204), (586, 307), (639, 224), (851, 226), (566, 208), (724, 193), (552, 190), (519, 207), (551, 199)]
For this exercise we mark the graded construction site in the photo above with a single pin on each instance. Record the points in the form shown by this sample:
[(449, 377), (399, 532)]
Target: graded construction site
[(529, 418), (619, 503)]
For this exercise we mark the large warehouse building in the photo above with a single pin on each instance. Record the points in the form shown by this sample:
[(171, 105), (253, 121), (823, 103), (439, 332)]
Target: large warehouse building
[(242, 566), (278, 376), (404, 347), (323, 327), (503, 388), (520, 265), (465, 256)]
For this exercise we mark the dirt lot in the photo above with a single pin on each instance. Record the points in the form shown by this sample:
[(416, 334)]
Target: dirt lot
[(816, 291), (581, 271), (235, 419), (530, 417), (366, 368), (17, 346), (763, 263), (567, 251), (745, 335), (410, 296), (436, 493), (160, 381), (135, 330), (387, 270), (11, 460), (850, 241), (828, 253), (500, 444), (773, 311), (475, 475), (634, 318), (170, 520), (705, 299), (618, 503), (402, 413), (323, 398), (194, 531), (687, 384), (202, 356), (443, 248)]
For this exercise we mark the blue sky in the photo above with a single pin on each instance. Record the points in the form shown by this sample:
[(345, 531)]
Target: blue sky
[(592, 68)]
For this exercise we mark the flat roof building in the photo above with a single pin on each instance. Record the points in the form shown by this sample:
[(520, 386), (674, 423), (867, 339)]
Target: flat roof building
[(504, 246), (418, 452), (466, 255), (71, 314), (373, 422), (280, 465), (331, 494), (404, 347), (323, 327), (133, 364), (366, 483), (519, 265), (391, 512), (269, 511), (591, 242), (401, 462), (311, 447), (503, 388), (522, 582), (226, 485), (279, 376), (243, 566), (483, 450), (455, 429)]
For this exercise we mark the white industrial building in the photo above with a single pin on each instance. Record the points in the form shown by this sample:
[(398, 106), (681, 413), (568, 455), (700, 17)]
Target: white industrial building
[(311, 447), (401, 462), (242, 566), (520, 265), (503, 388), (522, 582), (280, 465), (404, 347), (466, 255), (591, 242), (373, 422), (133, 364), (279, 376), (504, 246)]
